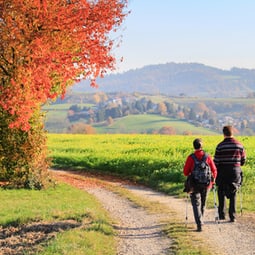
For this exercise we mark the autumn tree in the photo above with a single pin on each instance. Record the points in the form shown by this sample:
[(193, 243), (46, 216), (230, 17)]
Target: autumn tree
[(45, 47), (162, 109), (100, 97), (81, 128), (167, 130), (200, 108), (109, 121)]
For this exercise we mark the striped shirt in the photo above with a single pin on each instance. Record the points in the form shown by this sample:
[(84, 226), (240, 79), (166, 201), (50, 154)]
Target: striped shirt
[(229, 153)]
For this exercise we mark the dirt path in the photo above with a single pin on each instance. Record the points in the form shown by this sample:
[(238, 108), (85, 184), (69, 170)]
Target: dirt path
[(140, 232)]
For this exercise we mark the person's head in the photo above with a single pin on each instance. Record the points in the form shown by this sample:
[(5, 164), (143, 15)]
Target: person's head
[(197, 144), (227, 131)]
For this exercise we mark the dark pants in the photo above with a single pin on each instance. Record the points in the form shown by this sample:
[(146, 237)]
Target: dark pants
[(198, 199), (222, 203)]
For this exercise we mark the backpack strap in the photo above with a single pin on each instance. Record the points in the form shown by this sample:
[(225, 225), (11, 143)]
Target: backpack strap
[(205, 156), (194, 158)]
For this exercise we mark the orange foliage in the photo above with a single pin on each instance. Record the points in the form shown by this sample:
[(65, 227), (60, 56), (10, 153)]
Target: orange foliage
[(48, 45), (81, 128), (167, 130), (162, 108)]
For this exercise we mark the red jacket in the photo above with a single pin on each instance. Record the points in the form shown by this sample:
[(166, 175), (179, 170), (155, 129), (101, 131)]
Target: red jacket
[(189, 164)]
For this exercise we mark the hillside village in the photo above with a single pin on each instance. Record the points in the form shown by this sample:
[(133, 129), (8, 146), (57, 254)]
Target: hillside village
[(105, 108)]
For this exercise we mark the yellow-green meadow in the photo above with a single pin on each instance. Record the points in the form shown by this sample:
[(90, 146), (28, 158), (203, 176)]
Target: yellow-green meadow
[(155, 160)]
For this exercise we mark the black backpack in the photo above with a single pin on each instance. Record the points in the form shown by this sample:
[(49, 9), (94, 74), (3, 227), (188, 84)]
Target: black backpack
[(201, 174)]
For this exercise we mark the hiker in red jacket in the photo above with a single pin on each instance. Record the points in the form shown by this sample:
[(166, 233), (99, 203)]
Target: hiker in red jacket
[(198, 194)]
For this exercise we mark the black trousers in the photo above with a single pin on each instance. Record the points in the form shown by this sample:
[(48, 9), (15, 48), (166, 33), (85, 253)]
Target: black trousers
[(222, 203), (198, 200)]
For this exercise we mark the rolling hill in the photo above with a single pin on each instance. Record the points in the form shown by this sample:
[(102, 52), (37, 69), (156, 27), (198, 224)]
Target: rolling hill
[(185, 79)]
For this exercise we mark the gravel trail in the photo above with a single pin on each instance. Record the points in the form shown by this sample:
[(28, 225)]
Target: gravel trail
[(140, 232), (226, 238)]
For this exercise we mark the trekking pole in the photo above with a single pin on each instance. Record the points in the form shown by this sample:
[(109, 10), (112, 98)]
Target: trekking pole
[(241, 201), (215, 205), (186, 216), (217, 218)]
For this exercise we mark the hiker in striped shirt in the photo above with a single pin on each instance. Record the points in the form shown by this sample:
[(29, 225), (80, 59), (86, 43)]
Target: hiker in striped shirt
[(229, 157)]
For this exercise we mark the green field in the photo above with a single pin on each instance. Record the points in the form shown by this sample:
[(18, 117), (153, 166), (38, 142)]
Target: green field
[(57, 122), (155, 160), (147, 123), (56, 117)]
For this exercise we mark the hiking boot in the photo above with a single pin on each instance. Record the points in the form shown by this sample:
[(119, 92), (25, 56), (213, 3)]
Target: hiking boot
[(232, 220), (199, 228), (222, 218)]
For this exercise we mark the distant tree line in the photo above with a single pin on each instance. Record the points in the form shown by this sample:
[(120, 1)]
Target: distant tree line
[(118, 107)]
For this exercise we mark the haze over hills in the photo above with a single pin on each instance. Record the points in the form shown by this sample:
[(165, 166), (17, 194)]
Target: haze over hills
[(185, 79)]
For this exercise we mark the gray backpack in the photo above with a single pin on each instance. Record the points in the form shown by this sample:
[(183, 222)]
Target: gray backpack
[(201, 174)]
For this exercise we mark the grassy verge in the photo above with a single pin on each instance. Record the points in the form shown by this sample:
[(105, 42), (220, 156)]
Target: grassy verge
[(92, 232)]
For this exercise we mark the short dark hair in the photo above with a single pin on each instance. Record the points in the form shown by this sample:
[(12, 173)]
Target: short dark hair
[(227, 130), (197, 143)]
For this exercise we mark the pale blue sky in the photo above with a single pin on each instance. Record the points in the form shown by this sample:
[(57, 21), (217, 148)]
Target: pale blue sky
[(219, 33)]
